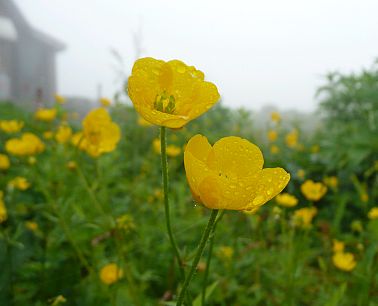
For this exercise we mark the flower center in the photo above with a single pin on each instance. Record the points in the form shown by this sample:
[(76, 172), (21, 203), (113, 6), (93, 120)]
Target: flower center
[(165, 103)]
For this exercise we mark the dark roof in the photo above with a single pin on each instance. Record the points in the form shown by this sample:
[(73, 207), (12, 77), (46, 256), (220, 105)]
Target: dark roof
[(12, 11)]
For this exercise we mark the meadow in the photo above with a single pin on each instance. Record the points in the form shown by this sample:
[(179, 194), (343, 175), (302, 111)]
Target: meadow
[(86, 225)]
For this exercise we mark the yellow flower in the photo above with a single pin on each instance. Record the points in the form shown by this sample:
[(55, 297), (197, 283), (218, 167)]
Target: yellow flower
[(169, 93), (171, 150), (105, 102), (3, 209), (331, 181), (48, 135), (63, 134), (110, 274), (11, 126), (304, 216), (272, 135), (31, 225), (313, 191), (286, 200), (344, 261), (4, 162), (101, 134), (337, 246), (45, 114), (28, 144), (301, 174), (143, 122), (19, 183), (373, 213), (59, 99), (274, 149), (275, 116), (226, 253), (71, 165), (230, 174), (291, 139)]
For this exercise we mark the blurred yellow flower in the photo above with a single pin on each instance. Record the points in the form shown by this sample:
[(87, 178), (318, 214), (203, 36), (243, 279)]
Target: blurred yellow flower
[(169, 93), (304, 216), (275, 116), (337, 246), (301, 174), (344, 261), (313, 191), (31, 225), (3, 209), (48, 135), (291, 138), (373, 213), (230, 174), (126, 223), (19, 183), (63, 134), (105, 102), (32, 160), (4, 162), (272, 135), (364, 197), (110, 273), (356, 226), (45, 114), (226, 253), (274, 149), (143, 122), (286, 200), (28, 144), (171, 150), (331, 181), (59, 99), (71, 165), (11, 126), (101, 134)]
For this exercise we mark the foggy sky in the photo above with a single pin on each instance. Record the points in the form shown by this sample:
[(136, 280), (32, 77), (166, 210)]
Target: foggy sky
[(256, 52)]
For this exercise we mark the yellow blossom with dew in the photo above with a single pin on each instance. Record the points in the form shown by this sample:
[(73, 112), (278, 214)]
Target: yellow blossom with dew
[(28, 144), (11, 126), (31, 226), (274, 149), (110, 273), (59, 99), (344, 261), (4, 162), (101, 134), (143, 122), (275, 117), (45, 114), (3, 209), (337, 246), (20, 183), (170, 93), (64, 134), (301, 174), (373, 213), (225, 253), (286, 200), (313, 191), (105, 102), (291, 138), (304, 216), (272, 135), (331, 181), (230, 174)]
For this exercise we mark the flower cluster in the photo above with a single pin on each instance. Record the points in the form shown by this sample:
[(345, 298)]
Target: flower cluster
[(28, 144), (11, 126)]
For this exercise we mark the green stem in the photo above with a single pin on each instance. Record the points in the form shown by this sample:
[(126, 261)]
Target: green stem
[(208, 261), (201, 246), (164, 166)]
